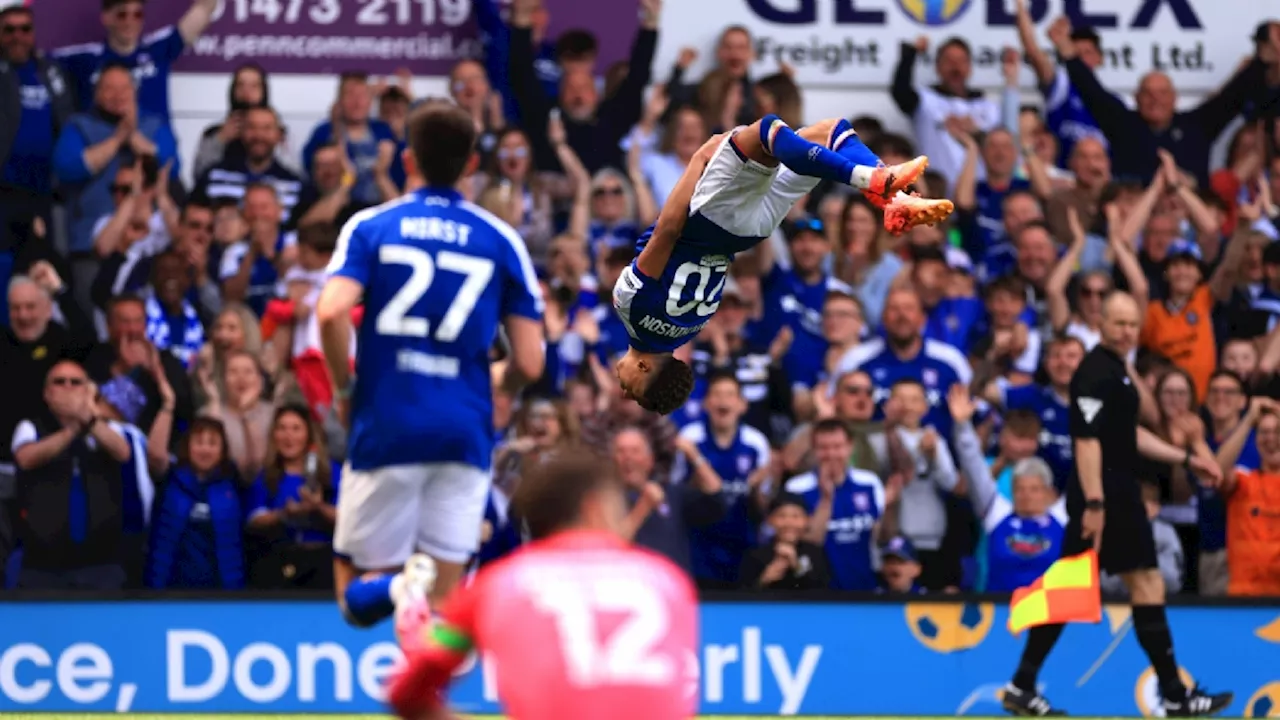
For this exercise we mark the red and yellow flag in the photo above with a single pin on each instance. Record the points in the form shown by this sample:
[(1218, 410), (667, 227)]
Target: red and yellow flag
[(1067, 592)]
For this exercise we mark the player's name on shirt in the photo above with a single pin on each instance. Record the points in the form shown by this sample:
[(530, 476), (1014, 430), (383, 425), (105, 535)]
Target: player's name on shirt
[(666, 329), (434, 228)]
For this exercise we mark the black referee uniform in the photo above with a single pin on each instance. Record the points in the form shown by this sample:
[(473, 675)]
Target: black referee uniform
[(1104, 407)]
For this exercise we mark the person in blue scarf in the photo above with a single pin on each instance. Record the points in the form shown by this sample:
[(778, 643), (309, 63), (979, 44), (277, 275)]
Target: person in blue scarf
[(198, 520), (291, 505)]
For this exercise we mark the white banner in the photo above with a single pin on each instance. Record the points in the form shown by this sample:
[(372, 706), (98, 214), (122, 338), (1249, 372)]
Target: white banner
[(856, 43)]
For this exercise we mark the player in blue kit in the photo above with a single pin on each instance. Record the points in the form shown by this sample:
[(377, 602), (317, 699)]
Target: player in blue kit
[(437, 275), (734, 194)]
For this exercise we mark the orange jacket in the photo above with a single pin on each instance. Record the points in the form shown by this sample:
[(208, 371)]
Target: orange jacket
[(1253, 534)]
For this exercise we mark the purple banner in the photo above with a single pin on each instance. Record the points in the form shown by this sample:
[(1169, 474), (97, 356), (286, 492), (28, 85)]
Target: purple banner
[(328, 36)]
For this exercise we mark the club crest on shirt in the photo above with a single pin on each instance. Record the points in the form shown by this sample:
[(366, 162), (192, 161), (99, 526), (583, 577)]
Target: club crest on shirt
[(860, 503), (929, 376), (744, 464), (1192, 318)]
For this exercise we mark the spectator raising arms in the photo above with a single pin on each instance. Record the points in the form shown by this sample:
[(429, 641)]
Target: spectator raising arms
[(196, 534), (149, 58), (594, 127)]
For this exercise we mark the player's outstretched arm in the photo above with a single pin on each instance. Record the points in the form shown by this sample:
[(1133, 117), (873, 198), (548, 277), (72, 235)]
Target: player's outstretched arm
[(653, 259)]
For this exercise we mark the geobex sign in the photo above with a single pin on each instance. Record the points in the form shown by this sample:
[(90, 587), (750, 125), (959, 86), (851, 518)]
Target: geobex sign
[(856, 43)]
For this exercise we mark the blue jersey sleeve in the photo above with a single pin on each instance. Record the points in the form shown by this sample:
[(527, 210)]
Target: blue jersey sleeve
[(521, 293), (164, 45), (353, 257)]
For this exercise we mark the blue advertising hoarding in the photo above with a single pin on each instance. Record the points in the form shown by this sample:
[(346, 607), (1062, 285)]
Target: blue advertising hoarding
[(756, 657)]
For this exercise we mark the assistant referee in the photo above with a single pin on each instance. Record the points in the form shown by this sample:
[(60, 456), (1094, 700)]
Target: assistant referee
[(1107, 513)]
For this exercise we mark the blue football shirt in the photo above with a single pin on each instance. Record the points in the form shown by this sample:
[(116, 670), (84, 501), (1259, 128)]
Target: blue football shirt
[(440, 274), (856, 507), (151, 62)]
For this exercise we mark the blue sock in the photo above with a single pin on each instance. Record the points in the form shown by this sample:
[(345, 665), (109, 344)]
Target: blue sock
[(802, 156), (369, 601), (851, 145)]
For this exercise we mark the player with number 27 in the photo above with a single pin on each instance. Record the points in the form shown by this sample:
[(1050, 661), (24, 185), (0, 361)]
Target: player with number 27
[(735, 192)]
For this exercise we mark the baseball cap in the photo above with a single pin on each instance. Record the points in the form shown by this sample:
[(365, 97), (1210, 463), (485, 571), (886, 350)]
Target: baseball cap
[(804, 223), (10, 5), (1181, 249), (901, 548)]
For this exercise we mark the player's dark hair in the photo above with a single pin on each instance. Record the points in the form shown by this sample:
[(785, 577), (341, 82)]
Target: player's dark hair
[(576, 44), (669, 388), (921, 254), (549, 497), (443, 137), (108, 5), (957, 42), (1022, 423), (832, 425)]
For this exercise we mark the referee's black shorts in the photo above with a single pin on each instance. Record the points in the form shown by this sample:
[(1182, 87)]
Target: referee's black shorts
[(1128, 542)]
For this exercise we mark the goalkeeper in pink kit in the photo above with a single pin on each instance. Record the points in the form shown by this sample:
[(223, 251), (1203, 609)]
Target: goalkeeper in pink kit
[(578, 624)]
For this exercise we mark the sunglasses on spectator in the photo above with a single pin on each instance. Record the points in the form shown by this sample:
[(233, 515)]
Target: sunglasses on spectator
[(513, 154), (68, 381), (614, 191), (121, 189), (125, 14), (859, 390), (26, 29)]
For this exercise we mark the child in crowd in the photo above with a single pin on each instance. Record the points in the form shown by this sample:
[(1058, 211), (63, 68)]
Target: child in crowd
[(787, 562), (899, 568), (1013, 346)]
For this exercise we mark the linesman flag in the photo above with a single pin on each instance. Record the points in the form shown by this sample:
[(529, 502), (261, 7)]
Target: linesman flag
[(1067, 592)]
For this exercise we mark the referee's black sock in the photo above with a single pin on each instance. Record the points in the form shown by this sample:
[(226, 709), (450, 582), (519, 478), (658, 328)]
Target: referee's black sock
[(1040, 641), (1152, 628)]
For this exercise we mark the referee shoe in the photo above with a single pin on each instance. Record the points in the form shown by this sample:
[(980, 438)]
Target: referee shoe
[(1198, 703), (1027, 704)]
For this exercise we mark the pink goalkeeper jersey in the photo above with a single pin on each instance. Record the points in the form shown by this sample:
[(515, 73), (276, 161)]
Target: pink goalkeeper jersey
[(581, 626)]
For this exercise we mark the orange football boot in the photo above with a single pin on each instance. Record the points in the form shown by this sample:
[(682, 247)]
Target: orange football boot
[(890, 179), (907, 211)]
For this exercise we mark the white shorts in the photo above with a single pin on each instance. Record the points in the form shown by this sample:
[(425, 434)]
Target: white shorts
[(744, 197), (387, 514)]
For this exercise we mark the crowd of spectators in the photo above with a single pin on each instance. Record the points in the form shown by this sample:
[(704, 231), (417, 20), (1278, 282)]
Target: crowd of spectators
[(871, 413)]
